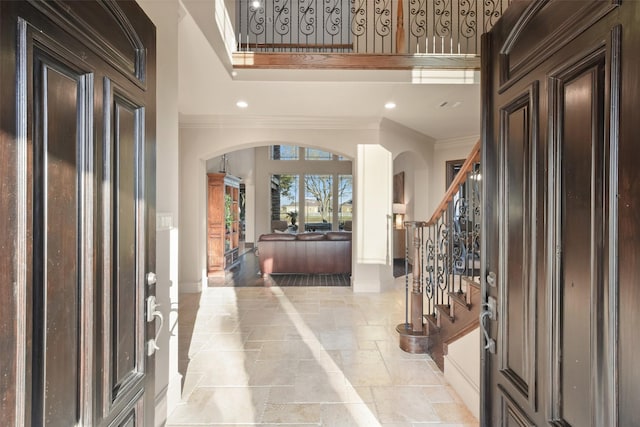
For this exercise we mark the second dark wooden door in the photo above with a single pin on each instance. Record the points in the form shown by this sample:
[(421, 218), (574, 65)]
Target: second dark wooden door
[(561, 88)]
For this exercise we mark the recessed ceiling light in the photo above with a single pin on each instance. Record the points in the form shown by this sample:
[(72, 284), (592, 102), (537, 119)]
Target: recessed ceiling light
[(242, 104), (234, 73), (390, 105)]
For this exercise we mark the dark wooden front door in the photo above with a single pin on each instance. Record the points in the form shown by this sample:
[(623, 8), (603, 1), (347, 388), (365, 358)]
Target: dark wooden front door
[(77, 131), (562, 192)]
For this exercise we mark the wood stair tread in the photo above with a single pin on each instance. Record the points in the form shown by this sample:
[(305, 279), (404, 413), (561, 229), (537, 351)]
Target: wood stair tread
[(460, 298), (472, 282), (445, 310), (431, 319), (464, 320)]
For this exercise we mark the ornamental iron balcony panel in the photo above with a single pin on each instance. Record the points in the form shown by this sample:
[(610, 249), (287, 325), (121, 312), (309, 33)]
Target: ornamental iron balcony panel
[(294, 26), (366, 26)]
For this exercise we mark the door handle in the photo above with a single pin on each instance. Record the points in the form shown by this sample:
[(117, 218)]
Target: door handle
[(491, 312), (152, 314)]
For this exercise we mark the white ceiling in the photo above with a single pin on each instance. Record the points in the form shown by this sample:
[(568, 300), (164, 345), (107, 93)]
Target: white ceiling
[(208, 90)]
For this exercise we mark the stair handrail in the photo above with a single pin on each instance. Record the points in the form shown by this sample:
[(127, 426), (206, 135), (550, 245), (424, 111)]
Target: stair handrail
[(460, 178)]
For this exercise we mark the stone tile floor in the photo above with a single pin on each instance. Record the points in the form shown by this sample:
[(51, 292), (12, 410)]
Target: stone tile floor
[(302, 356)]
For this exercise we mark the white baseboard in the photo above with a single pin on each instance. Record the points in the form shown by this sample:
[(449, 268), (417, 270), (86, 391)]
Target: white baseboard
[(161, 408), (466, 388), (174, 393), (167, 399), (365, 286)]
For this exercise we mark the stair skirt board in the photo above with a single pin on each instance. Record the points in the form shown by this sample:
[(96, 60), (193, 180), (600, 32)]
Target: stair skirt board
[(461, 370)]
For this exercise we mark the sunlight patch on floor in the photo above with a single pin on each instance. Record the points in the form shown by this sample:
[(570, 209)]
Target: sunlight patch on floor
[(364, 418)]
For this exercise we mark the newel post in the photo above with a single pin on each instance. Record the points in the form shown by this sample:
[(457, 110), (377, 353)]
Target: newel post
[(416, 292), (413, 335)]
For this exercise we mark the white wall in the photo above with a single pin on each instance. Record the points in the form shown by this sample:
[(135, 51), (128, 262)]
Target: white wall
[(165, 15), (417, 184), (373, 254), (417, 165)]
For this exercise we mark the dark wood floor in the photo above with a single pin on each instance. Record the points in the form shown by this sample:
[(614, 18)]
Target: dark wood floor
[(247, 274), (399, 267)]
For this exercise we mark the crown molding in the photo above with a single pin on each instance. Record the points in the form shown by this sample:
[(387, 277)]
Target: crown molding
[(278, 122)]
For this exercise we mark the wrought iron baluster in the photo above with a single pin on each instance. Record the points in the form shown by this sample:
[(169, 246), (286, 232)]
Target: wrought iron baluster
[(468, 24), (418, 23), (358, 21), (383, 21), (448, 244), (440, 260), (256, 23), (333, 22), (430, 268), (442, 25), (477, 215), (282, 20), (468, 231), (306, 21), (492, 11), (407, 227)]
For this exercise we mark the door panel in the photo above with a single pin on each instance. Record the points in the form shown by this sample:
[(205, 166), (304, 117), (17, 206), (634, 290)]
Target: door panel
[(579, 97), (551, 171), (79, 180), (512, 414), (58, 157), (517, 297), (128, 351), (124, 236), (132, 417)]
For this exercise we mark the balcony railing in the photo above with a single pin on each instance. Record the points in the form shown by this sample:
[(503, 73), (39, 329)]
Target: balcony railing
[(447, 27)]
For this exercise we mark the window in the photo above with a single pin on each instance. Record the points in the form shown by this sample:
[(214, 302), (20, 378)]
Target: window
[(285, 203), (284, 152), (345, 199), (318, 202), (315, 154), (321, 201)]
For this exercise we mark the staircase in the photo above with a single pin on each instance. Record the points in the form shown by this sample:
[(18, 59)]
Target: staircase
[(454, 320), (443, 303)]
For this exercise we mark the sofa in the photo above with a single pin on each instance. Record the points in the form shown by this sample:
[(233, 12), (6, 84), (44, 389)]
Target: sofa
[(305, 253), (279, 225)]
